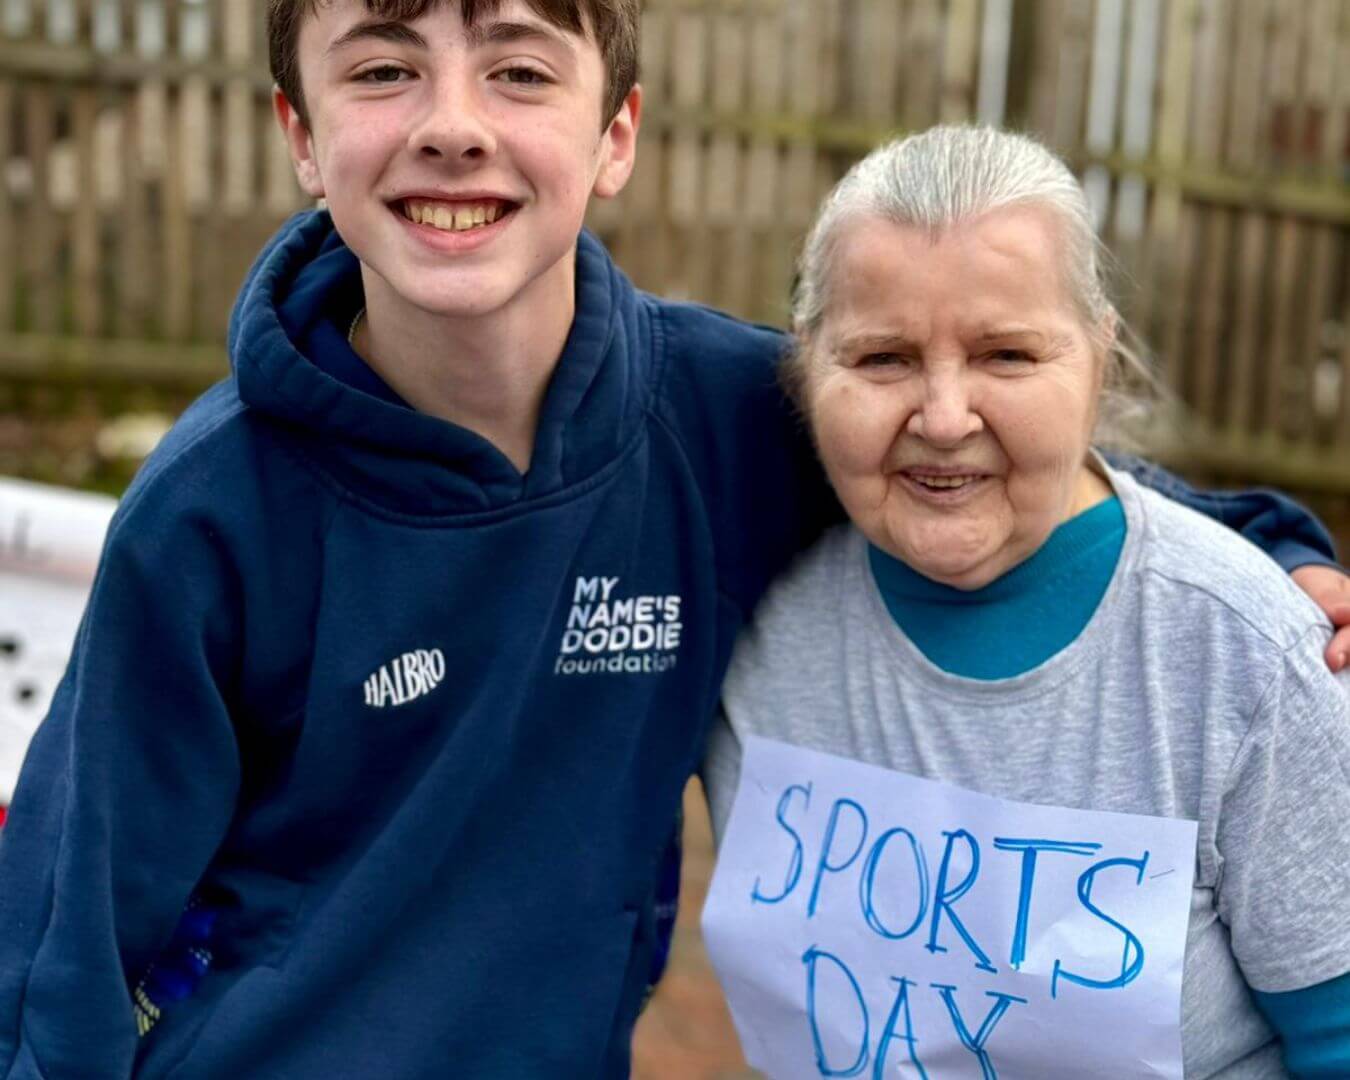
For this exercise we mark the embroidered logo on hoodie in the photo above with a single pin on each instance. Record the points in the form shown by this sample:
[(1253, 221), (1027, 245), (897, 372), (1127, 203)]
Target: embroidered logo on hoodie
[(609, 632), (405, 678)]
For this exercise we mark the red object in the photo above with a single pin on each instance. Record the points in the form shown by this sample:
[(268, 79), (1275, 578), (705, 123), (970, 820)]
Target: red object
[(4, 812)]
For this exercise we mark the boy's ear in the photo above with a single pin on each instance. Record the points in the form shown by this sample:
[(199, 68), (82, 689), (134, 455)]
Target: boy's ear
[(300, 143), (619, 148)]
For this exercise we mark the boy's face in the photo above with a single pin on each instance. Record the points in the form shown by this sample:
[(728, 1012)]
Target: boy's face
[(457, 161)]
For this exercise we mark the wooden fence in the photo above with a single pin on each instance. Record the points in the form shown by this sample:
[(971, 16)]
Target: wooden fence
[(140, 170)]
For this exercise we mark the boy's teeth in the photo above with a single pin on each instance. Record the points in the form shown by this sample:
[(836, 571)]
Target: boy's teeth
[(451, 218)]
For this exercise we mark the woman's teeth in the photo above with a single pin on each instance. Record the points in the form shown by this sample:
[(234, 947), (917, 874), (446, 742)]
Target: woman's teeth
[(456, 218), (943, 481)]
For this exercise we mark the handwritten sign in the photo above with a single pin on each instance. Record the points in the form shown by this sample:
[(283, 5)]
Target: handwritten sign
[(869, 923), (49, 547)]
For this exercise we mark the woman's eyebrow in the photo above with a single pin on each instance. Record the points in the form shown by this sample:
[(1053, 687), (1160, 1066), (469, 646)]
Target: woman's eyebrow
[(400, 33), (852, 343), (1001, 333)]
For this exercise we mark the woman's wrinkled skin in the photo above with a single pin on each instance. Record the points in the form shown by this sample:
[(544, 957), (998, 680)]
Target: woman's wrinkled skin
[(952, 389)]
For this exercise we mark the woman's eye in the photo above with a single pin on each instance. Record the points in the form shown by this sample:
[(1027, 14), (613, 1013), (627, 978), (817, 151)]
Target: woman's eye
[(881, 359), (385, 73), (1010, 356)]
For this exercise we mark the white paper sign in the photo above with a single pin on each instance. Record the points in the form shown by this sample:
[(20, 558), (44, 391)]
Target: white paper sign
[(50, 540), (869, 923)]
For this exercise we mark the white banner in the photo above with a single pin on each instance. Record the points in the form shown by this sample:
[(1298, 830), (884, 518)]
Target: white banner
[(869, 923), (50, 541)]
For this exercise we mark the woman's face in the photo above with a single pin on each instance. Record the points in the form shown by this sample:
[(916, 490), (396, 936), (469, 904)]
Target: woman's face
[(952, 389)]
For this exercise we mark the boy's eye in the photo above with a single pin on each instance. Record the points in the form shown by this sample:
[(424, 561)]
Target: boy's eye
[(522, 76), (384, 73)]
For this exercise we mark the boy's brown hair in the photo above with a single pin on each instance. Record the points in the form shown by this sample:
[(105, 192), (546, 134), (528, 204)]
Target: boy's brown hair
[(613, 23)]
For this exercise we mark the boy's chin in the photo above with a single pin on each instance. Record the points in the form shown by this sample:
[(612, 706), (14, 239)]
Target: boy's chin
[(461, 297)]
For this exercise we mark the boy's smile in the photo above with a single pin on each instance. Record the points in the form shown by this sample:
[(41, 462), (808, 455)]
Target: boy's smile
[(457, 160)]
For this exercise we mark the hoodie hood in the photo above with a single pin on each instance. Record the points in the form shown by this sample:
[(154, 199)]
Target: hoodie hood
[(379, 450)]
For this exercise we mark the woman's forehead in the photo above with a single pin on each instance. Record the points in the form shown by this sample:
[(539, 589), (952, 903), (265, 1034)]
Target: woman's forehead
[(992, 267)]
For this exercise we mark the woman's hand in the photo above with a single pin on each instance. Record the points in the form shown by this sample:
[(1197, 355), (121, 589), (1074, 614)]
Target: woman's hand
[(1330, 590)]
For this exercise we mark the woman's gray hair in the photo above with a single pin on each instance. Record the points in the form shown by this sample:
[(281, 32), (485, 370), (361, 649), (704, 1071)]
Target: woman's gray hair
[(949, 175)]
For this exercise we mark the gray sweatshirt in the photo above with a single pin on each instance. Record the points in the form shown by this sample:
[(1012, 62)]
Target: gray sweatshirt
[(1196, 691)]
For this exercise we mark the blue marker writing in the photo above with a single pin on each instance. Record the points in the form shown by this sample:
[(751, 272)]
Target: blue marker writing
[(1129, 968), (946, 897), (794, 870), (827, 843), (1029, 850), (888, 1033), (867, 882), (976, 1043), (809, 958)]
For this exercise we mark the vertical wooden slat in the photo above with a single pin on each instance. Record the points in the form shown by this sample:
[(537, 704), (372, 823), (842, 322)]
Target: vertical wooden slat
[(1245, 100), (40, 227), (1315, 303), (958, 61), (1343, 428), (726, 161), (85, 237), (995, 49), (764, 163), (1172, 226), (641, 245), (7, 216), (1136, 133), (176, 248), (921, 48), (16, 19), (1102, 100), (874, 75), (1075, 60), (136, 277), (1284, 384), (1287, 388), (1209, 77), (1245, 86), (689, 83), (238, 147), (811, 93), (1047, 45), (236, 144)]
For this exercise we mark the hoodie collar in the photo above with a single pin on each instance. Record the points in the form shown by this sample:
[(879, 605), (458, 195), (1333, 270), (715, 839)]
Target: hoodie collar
[(306, 282)]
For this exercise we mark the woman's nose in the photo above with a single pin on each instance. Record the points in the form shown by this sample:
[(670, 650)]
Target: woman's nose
[(453, 125), (945, 417)]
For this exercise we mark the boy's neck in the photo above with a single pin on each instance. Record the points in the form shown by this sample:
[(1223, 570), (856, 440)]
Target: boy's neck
[(486, 373)]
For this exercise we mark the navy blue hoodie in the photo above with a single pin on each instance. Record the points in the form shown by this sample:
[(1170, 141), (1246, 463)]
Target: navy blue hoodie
[(405, 730)]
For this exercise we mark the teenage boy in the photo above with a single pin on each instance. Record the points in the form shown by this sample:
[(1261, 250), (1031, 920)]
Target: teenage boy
[(404, 640)]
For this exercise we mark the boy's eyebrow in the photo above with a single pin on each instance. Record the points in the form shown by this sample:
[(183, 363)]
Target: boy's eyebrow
[(499, 33), (400, 33)]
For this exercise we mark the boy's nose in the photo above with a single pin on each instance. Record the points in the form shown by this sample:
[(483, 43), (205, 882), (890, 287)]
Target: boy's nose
[(452, 127)]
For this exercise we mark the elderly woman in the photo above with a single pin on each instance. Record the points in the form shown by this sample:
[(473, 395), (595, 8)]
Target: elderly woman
[(1007, 755)]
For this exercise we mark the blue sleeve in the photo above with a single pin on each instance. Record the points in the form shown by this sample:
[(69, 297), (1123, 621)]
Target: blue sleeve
[(126, 793), (1314, 1025), (1281, 528)]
